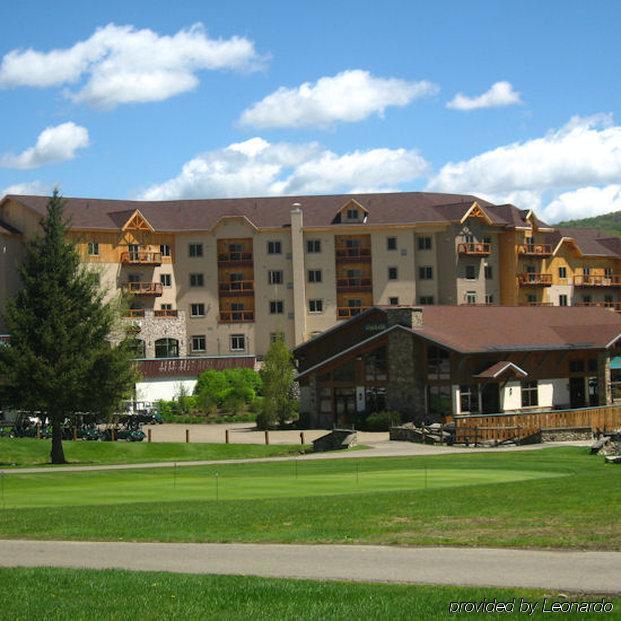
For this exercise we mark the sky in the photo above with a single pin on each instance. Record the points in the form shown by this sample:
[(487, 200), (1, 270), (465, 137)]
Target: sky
[(511, 101)]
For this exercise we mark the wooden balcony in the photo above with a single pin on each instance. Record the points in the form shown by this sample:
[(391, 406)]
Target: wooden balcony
[(535, 279), (536, 304), (344, 285), (535, 250), (134, 312), (345, 254), (588, 280), (141, 258), (345, 312), (166, 312), (474, 249), (143, 288), (237, 287), (235, 258), (236, 316)]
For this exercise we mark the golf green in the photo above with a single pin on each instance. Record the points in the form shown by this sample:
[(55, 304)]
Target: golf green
[(296, 479)]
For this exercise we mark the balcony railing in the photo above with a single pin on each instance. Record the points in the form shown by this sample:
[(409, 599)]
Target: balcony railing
[(235, 258), (134, 312), (536, 304), (143, 288), (357, 254), (587, 280), (354, 284), (237, 287), (535, 250), (345, 312), (614, 306), (236, 316), (141, 258), (534, 279), (166, 312), (474, 249)]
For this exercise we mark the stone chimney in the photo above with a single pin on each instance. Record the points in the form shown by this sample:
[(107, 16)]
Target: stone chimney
[(297, 264), (407, 316)]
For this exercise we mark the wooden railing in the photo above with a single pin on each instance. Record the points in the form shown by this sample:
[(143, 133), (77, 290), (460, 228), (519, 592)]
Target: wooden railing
[(536, 304), (141, 258), (534, 279), (599, 280), (343, 253), (535, 250), (354, 284), (235, 258), (519, 425), (134, 312), (345, 312), (143, 288), (237, 287), (166, 312), (615, 306), (474, 249), (236, 316)]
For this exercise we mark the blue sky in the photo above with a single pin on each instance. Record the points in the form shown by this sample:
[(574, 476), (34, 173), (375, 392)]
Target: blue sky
[(367, 99)]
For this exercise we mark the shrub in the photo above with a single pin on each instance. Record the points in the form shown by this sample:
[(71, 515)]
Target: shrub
[(382, 421)]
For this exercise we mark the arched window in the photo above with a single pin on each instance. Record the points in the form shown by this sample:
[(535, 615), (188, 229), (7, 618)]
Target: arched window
[(166, 348), (138, 348)]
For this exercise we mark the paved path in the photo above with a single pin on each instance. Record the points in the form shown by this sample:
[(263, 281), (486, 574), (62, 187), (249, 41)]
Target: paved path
[(379, 449), (593, 572)]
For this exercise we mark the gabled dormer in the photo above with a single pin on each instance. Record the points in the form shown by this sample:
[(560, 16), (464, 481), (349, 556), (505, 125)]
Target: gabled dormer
[(137, 222), (352, 212), (476, 211)]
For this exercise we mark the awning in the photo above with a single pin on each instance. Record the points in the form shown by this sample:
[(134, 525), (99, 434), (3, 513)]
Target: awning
[(615, 362), (501, 368)]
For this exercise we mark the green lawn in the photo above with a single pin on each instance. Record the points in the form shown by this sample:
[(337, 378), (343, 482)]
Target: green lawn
[(33, 452), (557, 497), (89, 594)]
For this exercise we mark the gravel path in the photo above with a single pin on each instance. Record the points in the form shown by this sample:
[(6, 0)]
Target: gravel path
[(589, 572)]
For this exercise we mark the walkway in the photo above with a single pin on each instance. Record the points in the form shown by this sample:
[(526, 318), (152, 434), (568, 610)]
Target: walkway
[(588, 572)]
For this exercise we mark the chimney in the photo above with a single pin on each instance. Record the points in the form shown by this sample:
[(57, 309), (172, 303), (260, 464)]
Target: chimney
[(407, 316)]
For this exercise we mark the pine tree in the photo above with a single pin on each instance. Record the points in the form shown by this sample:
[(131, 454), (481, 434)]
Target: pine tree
[(60, 359), (277, 375)]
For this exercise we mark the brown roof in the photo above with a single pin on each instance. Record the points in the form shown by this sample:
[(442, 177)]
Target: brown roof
[(500, 368), (188, 215), (513, 328), (591, 242), (7, 229)]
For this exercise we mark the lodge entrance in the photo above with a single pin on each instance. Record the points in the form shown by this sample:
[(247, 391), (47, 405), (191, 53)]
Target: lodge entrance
[(577, 393), (344, 406), (490, 399)]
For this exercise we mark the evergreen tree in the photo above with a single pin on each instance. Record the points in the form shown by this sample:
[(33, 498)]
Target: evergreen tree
[(277, 375), (60, 359)]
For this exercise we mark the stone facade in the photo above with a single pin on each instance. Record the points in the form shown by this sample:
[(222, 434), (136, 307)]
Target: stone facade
[(151, 328)]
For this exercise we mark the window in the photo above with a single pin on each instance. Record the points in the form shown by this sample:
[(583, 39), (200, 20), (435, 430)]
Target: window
[(576, 366), (199, 343), (586, 270), (315, 306), (277, 336), (313, 245), (137, 347), (608, 272), (238, 342), (425, 273), (314, 275), (197, 310), (488, 272), (392, 273), (471, 272), (165, 250), (587, 299), (274, 277), (487, 240), (439, 400), (195, 250), (352, 214), (609, 301), (133, 278), (391, 243), (277, 307), (425, 300), (165, 306), (531, 298), (471, 297), (562, 300), (196, 280), (529, 394), (274, 247), (167, 348), (166, 280), (393, 301), (468, 238), (489, 298), (562, 272), (93, 249), (438, 363), (375, 366), (469, 398), (424, 243)]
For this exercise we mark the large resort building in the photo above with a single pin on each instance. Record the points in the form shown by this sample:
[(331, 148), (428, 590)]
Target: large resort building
[(223, 277)]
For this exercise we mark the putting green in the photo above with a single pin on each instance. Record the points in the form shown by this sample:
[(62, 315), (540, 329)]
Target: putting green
[(205, 483)]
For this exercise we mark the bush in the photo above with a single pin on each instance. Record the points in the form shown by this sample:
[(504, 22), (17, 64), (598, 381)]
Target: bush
[(382, 421)]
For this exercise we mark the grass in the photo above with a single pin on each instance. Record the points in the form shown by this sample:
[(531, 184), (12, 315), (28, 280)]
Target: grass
[(557, 497), (112, 594), (32, 452)]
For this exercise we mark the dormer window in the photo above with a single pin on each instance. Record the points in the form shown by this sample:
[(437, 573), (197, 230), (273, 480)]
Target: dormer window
[(352, 214)]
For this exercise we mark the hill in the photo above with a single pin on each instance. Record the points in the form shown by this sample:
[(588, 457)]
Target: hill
[(608, 222)]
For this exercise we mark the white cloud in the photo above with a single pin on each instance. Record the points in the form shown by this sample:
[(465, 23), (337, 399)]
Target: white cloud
[(348, 96), (584, 202), (584, 152), (32, 188), (54, 144), (121, 64), (499, 94), (257, 167)]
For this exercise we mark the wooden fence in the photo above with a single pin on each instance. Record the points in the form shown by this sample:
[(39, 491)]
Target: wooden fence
[(476, 428)]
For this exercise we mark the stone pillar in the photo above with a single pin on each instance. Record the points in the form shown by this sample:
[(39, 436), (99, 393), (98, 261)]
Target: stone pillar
[(297, 263), (603, 377)]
